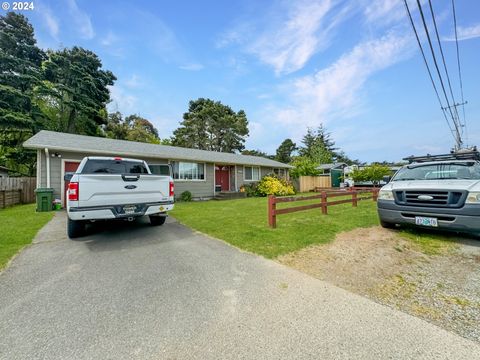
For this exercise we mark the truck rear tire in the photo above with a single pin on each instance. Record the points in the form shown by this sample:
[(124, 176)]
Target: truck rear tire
[(387, 225), (75, 228), (157, 220)]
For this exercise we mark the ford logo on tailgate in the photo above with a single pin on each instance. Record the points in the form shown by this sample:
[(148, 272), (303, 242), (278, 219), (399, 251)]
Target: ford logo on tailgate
[(424, 197), (130, 187)]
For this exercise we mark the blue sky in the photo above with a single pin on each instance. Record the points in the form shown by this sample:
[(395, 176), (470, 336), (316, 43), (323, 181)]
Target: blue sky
[(352, 65)]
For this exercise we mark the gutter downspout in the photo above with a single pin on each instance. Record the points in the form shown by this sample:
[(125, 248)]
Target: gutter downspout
[(47, 155)]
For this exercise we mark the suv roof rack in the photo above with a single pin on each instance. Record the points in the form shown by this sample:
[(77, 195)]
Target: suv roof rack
[(467, 154)]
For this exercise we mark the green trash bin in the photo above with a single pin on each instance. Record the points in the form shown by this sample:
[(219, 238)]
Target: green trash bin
[(44, 199)]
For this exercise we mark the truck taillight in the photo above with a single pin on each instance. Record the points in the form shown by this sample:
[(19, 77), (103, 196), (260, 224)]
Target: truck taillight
[(73, 191), (171, 192)]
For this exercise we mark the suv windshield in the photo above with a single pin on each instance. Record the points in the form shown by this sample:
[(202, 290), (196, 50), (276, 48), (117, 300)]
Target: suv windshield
[(114, 167), (467, 170)]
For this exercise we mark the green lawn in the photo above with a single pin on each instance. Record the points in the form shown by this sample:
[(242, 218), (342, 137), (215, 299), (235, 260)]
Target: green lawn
[(243, 223), (19, 225)]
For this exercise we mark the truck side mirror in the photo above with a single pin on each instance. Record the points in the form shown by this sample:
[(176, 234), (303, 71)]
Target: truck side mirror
[(387, 178), (68, 176)]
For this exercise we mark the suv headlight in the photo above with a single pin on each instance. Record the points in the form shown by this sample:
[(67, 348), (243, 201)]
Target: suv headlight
[(473, 197), (385, 195)]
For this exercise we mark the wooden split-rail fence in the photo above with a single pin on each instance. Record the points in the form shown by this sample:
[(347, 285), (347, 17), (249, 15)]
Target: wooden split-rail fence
[(355, 195), (15, 190)]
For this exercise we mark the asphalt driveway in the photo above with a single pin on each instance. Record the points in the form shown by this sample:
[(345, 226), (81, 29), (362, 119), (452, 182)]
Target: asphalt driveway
[(132, 291)]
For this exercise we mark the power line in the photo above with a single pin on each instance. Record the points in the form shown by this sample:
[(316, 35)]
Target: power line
[(428, 68), (459, 69), (457, 131), (444, 64)]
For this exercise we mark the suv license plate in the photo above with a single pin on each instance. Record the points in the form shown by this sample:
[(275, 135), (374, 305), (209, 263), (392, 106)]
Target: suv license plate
[(426, 221), (129, 209)]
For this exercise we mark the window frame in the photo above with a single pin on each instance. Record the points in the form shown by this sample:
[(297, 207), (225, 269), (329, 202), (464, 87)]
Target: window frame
[(172, 163), (253, 167)]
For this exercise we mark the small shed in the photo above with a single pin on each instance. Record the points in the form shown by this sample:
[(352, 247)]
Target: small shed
[(335, 170)]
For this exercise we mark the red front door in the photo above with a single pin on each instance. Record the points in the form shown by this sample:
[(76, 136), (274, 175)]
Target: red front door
[(222, 177), (70, 166)]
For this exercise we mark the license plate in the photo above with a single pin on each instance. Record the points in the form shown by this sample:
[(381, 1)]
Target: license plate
[(426, 221), (129, 209)]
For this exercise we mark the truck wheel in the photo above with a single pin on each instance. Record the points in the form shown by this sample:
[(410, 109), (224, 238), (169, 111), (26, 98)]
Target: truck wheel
[(157, 220), (387, 225), (75, 228)]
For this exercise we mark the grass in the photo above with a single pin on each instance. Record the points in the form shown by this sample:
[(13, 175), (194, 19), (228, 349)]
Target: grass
[(243, 223), (428, 242), (19, 226)]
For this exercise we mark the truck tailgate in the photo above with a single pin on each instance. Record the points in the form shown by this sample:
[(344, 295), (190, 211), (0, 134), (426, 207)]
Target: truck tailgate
[(116, 189)]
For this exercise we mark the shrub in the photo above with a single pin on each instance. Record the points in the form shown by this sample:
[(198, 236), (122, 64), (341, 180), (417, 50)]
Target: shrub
[(249, 189), (271, 185), (186, 196)]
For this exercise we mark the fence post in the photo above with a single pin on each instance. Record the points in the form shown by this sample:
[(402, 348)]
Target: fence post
[(272, 217), (375, 194), (354, 198), (324, 202)]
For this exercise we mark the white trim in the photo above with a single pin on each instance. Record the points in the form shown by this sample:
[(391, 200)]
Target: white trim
[(62, 181), (214, 181), (191, 180), (47, 156), (235, 177), (39, 168), (259, 173)]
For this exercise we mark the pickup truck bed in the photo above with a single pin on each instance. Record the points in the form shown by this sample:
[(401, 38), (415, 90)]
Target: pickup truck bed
[(116, 188)]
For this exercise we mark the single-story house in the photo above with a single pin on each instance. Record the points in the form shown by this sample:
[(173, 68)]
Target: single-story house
[(201, 172)]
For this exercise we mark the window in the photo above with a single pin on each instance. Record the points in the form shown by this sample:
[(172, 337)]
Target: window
[(188, 171), (160, 169), (97, 166), (279, 172), (252, 173)]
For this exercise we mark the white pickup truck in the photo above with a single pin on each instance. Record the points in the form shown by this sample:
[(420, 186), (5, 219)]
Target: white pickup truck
[(116, 188)]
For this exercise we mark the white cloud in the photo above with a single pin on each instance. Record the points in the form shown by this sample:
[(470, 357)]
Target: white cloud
[(336, 91), (192, 67), (291, 34), (82, 20), (109, 39), (384, 11), (465, 33), (133, 82), (121, 100), (50, 21)]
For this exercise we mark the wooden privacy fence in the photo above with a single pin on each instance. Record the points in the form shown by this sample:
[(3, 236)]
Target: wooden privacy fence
[(309, 183), (17, 191), (356, 196)]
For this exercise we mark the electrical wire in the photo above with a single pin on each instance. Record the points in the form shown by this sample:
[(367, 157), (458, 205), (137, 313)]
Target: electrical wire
[(428, 68), (459, 69), (444, 64), (458, 138)]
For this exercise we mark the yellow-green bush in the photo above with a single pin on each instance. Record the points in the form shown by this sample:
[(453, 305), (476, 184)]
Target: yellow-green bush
[(271, 185)]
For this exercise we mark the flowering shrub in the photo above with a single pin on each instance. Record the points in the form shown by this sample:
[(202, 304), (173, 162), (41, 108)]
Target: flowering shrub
[(271, 185)]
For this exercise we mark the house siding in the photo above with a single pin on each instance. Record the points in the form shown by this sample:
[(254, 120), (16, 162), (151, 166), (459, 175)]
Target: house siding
[(199, 189)]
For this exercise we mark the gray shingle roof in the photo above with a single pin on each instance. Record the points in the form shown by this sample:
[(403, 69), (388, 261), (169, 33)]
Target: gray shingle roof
[(330, 166), (98, 145)]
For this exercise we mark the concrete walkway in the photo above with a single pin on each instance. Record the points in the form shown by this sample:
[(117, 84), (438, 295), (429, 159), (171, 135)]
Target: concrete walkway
[(132, 291)]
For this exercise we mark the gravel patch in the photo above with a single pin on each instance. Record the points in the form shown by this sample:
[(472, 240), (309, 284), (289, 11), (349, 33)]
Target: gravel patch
[(443, 288)]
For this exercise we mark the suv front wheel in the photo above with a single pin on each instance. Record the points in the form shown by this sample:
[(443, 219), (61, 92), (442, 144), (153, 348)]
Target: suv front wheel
[(387, 225)]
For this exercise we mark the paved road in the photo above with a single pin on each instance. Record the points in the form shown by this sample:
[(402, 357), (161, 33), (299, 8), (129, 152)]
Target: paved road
[(131, 291)]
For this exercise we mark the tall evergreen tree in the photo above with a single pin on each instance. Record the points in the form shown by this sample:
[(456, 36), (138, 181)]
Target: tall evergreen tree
[(285, 150), (210, 125), (75, 91), (20, 73), (318, 145)]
